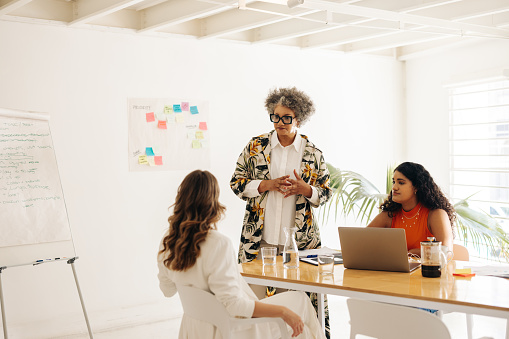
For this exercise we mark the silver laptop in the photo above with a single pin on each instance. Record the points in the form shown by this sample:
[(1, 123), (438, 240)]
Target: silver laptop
[(377, 249)]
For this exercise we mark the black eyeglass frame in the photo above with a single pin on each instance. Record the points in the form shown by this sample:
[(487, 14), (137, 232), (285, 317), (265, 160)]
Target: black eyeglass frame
[(276, 118)]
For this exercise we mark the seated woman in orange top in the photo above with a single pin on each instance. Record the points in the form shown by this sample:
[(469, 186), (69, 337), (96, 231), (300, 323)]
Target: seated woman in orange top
[(417, 204)]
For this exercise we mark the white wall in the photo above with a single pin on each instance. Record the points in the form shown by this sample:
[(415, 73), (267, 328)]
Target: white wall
[(427, 99), (83, 79)]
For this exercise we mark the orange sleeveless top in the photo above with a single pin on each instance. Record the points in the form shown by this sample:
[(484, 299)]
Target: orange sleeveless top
[(415, 223)]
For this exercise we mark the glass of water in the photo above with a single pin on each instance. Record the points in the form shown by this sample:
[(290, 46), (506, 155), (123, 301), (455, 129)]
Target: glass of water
[(269, 255), (326, 263)]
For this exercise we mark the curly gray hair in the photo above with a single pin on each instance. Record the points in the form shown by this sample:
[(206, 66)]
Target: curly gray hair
[(298, 101)]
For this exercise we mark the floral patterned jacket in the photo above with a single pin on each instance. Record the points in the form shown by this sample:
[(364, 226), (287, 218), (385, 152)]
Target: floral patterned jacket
[(253, 164)]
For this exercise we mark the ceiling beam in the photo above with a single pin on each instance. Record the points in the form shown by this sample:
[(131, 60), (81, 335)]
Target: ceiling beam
[(343, 36), (255, 15), (270, 33), (461, 28), (86, 11), (389, 42), (12, 6), (178, 11), (289, 30)]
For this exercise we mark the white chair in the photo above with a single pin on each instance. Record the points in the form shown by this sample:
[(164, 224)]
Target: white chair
[(388, 321), (204, 306), (461, 253)]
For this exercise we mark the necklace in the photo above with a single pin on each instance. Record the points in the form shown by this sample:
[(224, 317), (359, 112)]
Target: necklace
[(409, 219)]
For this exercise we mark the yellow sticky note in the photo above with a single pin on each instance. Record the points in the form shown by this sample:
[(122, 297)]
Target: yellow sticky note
[(463, 271), (196, 144), (142, 160), (179, 118), (168, 109), (199, 135)]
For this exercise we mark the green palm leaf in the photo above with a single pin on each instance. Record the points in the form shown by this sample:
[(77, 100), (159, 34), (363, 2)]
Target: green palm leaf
[(480, 227), (352, 194)]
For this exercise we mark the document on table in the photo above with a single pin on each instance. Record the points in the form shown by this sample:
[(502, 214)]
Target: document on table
[(310, 256), (501, 270)]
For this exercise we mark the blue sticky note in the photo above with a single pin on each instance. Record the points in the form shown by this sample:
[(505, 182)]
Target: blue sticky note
[(194, 109), (149, 151), (177, 109)]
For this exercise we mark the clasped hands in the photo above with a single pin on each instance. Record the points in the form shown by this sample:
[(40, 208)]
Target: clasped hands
[(288, 187)]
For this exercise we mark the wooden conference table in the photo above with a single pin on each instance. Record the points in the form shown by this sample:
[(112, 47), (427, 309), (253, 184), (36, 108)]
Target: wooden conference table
[(483, 295)]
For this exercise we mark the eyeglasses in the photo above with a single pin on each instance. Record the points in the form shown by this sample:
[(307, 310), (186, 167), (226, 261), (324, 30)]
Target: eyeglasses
[(287, 120)]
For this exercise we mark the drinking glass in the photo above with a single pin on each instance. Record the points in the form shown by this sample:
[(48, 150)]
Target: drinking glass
[(326, 263), (269, 255)]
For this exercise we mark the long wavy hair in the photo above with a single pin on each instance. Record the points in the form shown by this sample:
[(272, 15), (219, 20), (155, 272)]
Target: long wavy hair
[(428, 193), (195, 212)]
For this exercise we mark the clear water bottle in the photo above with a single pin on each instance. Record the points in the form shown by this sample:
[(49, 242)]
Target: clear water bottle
[(290, 251)]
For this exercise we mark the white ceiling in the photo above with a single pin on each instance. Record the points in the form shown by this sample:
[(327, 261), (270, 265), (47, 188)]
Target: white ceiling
[(397, 28)]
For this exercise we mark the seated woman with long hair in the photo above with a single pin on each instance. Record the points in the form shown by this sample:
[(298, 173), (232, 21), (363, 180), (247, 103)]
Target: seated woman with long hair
[(417, 204), (194, 253)]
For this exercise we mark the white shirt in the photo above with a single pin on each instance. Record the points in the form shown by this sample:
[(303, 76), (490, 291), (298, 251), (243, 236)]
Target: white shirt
[(280, 211), (216, 270)]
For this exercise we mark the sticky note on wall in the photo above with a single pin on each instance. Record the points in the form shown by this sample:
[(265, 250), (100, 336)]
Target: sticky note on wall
[(177, 109), (150, 117), (158, 160), (168, 109), (196, 144), (179, 118), (203, 125), (184, 106), (142, 160), (149, 151), (194, 109), (161, 124), (199, 135)]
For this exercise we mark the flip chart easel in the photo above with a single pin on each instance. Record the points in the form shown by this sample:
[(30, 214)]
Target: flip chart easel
[(35, 226)]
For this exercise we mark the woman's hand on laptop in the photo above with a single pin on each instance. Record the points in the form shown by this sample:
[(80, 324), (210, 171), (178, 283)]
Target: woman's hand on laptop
[(415, 251)]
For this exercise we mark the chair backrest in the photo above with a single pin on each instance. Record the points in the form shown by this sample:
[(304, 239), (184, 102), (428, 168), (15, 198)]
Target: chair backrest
[(387, 321), (204, 306), (460, 252)]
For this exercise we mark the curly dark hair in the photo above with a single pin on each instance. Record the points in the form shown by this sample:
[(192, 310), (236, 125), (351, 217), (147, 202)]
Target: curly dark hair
[(298, 101), (428, 193), (196, 211)]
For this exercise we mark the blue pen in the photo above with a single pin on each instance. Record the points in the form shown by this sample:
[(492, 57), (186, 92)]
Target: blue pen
[(312, 256)]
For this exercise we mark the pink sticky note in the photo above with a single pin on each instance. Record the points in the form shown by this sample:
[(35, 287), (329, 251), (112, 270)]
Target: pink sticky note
[(158, 159), (184, 106), (150, 117), (203, 125), (161, 124)]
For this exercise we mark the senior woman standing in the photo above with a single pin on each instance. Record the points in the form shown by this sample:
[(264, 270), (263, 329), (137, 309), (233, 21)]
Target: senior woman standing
[(281, 175)]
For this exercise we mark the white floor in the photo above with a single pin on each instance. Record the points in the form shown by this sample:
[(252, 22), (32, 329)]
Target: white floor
[(484, 327)]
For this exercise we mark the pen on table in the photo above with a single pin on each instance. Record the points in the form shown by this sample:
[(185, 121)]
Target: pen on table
[(312, 256)]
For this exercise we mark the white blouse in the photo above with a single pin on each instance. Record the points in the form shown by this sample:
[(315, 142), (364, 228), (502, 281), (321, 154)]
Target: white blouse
[(216, 270)]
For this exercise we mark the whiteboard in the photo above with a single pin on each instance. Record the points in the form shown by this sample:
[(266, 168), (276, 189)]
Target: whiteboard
[(33, 216), (168, 134)]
